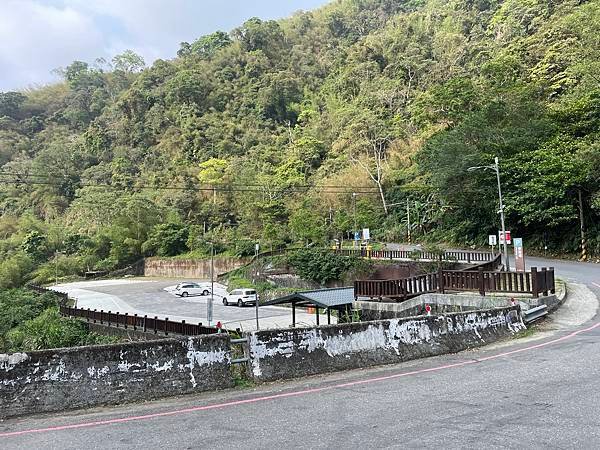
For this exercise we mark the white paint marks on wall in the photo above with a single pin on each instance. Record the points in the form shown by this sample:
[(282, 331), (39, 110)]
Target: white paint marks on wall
[(8, 362), (391, 335), (199, 358)]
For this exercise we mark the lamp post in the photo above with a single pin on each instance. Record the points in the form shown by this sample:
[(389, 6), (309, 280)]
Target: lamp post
[(56, 253), (354, 218), (209, 303), (496, 168)]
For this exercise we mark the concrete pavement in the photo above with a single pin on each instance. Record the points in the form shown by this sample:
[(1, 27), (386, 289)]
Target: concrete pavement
[(148, 297)]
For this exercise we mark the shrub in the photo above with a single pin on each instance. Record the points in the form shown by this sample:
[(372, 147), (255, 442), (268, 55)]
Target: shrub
[(322, 266), (50, 330)]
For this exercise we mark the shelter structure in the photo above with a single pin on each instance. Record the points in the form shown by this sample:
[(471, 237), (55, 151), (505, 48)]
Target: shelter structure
[(339, 299)]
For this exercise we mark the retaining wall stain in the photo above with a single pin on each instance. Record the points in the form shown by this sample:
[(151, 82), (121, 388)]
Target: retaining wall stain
[(54, 380), (278, 354)]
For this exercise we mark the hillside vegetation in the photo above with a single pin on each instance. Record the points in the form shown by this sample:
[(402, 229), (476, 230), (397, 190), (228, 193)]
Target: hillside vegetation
[(295, 131)]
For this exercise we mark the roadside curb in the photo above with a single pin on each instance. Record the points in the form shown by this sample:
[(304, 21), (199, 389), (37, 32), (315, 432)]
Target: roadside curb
[(561, 296)]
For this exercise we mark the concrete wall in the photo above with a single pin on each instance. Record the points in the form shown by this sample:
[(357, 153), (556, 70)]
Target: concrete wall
[(190, 268), (279, 354), (444, 304), (53, 380)]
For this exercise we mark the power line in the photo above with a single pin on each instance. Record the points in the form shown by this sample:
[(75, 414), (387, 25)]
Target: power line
[(217, 188)]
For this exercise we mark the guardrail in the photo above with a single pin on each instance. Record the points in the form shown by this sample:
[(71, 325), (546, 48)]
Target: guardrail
[(134, 322), (534, 283)]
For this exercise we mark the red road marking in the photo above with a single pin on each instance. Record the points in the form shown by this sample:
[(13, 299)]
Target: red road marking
[(294, 393)]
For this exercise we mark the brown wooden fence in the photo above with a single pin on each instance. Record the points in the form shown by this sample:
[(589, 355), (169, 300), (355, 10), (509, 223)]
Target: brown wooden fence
[(134, 322), (534, 283)]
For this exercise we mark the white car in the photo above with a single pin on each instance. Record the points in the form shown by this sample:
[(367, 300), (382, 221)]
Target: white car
[(188, 288), (241, 297)]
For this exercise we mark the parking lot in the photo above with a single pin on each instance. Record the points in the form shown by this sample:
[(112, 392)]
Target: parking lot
[(143, 296)]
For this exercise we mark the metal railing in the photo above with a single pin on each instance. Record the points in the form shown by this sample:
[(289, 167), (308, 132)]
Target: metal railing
[(466, 256), (534, 283), (134, 322)]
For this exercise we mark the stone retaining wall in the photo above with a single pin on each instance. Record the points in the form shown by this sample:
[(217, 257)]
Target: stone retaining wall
[(190, 268), (55, 380), (280, 354)]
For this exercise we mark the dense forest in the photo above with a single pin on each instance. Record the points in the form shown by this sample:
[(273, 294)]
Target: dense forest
[(301, 130)]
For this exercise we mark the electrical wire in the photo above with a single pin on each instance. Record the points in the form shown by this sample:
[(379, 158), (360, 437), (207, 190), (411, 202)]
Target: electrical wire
[(22, 179)]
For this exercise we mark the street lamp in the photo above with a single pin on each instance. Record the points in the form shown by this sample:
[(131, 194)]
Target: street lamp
[(354, 216), (209, 303), (56, 253), (496, 168)]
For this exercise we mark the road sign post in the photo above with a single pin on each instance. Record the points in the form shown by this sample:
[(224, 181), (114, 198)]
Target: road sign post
[(519, 254)]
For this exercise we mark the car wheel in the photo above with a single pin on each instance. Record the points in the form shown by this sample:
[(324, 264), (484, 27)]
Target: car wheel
[(205, 292), (225, 302), (240, 303), (184, 294)]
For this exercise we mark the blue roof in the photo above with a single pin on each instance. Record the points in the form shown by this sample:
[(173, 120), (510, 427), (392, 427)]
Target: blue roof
[(324, 298)]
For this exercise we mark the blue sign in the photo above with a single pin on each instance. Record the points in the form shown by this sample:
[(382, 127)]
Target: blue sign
[(357, 235), (518, 242)]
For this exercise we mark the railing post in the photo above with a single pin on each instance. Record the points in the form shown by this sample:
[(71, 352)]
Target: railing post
[(155, 321), (440, 280), (166, 322), (545, 277), (183, 327), (101, 314), (469, 257), (135, 321), (534, 282), (126, 317), (145, 326), (552, 281), (481, 281)]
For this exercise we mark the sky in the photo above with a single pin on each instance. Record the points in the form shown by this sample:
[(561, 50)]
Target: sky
[(37, 36)]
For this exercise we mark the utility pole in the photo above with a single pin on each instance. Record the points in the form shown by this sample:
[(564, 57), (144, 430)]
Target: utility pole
[(496, 167), (582, 229), (209, 304), (408, 219), (354, 215), (255, 279)]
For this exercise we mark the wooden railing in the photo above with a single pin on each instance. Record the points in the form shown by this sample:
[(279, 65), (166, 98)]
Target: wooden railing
[(134, 322), (534, 283), (63, 298)]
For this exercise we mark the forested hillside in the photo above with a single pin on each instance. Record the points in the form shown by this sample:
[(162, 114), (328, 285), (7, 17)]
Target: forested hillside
[(300, 130)]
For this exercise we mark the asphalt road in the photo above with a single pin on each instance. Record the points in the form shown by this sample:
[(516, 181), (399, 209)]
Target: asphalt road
[(540, 392)]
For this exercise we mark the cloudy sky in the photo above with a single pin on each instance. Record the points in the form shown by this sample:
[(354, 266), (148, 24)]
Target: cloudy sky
[(37, 36)]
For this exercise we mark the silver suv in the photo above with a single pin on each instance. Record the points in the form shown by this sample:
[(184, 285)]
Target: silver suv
[(241, 297), (188, 288)]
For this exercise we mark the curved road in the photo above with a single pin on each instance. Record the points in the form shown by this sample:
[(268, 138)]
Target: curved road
[(538, 392)]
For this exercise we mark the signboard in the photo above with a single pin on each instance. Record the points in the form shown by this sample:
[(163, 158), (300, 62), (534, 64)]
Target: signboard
[(357, 235), (501, 237), (366, 234), (519, 254), (492, 239)]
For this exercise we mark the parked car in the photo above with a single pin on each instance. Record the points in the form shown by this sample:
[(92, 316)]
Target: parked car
[(241, 297), (188, 288)]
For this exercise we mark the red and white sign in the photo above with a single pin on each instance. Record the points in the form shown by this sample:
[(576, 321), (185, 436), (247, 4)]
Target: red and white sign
[(428, 309), (501, 237)]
